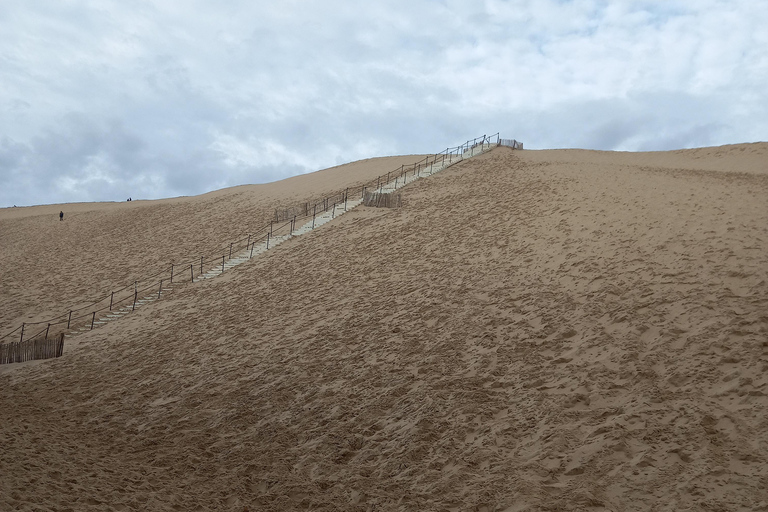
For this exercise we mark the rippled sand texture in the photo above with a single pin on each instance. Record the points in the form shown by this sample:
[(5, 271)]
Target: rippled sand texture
[(532, 330)]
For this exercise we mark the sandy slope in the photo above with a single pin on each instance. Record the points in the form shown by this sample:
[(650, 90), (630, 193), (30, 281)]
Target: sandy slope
[(51, 266), (552, 330)]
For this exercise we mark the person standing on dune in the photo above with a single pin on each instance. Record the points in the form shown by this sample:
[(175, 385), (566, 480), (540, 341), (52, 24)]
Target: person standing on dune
[(61, 216)]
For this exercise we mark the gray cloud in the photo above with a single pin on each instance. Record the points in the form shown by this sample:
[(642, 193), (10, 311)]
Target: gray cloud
[(155, 100)]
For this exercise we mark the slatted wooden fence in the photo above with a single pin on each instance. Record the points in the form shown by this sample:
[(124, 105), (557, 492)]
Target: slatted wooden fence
[(29, 350), (512, 143), (384, 200)]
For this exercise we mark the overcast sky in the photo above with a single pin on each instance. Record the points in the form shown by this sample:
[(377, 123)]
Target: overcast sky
[(102, 100)]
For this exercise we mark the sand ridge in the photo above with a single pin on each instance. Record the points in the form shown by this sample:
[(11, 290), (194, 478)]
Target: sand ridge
[(525, 333)]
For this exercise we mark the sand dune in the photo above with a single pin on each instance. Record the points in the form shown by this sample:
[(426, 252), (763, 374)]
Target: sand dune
[(51, 266), (532, 330)]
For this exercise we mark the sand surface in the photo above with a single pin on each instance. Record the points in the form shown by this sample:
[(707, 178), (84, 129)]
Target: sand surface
[(532, 330), (50, 267)]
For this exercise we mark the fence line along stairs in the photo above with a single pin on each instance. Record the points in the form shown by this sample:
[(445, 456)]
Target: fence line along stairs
[(318, 220)]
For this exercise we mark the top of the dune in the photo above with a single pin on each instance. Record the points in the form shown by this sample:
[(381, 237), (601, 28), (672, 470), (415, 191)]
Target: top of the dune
[(748, 157)]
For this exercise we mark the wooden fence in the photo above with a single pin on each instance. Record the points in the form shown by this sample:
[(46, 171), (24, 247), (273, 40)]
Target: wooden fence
[(29, 350), (511, 143), (384, 200), (310, 207)]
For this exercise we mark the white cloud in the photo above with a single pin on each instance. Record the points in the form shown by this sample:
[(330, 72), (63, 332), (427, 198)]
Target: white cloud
[(178, 98)]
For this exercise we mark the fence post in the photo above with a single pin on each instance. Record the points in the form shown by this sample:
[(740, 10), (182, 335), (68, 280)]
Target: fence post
[(346, 193), (46, 331), (314, 212), (171, 272), (22, 332), (254, 243), (135, 294), (93, 320), (378, 183), (222, 263), (191, 273), (396, 178), (201, 265), (333, 213), (111, 298), (362, 193), (161, 289), (69, 319)]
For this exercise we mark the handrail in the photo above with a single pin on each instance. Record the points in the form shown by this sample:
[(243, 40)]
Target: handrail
[(258, 234)]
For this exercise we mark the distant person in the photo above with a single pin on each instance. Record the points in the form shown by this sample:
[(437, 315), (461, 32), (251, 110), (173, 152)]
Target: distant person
[(61, 216)]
